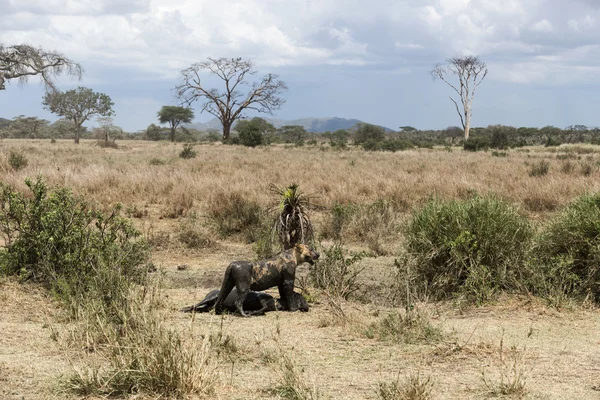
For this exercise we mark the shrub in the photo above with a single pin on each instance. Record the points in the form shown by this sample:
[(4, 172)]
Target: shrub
[(476, 143), (372, 224), (394, 145), (371, 145), (367, 132), (474, 246), (539, 168), (233, 213), (338, 219), (251, 138), (410, 327), (157, 161), (413, 388), (587, 169), (17, 160), (568, 249), (192, 234), (111, 144), (140, 354), (54, 238), (188, 151), (337, 273), (292, 224)]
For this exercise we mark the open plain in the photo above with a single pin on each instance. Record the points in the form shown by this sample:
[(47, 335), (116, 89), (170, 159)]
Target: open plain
[(516, 345)]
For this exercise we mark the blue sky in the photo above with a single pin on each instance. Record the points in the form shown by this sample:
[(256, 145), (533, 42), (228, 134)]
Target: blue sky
[(342, 58)]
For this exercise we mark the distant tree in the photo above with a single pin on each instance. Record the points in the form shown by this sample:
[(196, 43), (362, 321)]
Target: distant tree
[(229, 104), (78, 105), (550, 135), (28, 127), (575, 133), (501, 136), (339, 138), (408, 128), (293, 134), (175, 116), (470, 71), (107, 130), (155, 132), (23, 61), (253, 132), (453, 132), (62, 128), (368, 132)]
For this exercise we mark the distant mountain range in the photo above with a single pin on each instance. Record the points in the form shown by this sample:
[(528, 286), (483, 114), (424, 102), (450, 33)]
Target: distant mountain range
[(316, 125)]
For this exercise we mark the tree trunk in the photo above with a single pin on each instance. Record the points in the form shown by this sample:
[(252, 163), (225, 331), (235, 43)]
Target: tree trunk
[(173, 134), (467, 128), (226, 130), (77, 134)]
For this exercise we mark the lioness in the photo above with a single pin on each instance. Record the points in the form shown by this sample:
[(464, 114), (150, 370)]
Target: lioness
[(280, 271)]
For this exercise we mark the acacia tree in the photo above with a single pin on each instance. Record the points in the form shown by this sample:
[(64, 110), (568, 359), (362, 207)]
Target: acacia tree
[(23, 61), (470, 71), (174, 116), (229, 104), (78, 105)]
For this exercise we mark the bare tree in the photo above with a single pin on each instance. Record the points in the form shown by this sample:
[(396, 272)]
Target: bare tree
[(470, 71), (23, 61), (228, 105)]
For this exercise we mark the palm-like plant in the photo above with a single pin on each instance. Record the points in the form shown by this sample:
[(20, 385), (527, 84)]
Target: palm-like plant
[(292, 224)]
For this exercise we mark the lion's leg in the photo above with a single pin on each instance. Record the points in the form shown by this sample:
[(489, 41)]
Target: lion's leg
[(243, 288), (286, 293), (267, 305), (226, 288)]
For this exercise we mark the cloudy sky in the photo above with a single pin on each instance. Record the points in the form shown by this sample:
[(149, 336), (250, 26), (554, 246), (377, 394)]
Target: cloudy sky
[(344, 58)]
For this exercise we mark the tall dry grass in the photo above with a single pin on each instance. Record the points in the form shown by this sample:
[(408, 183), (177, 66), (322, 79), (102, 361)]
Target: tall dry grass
[(172, 189)]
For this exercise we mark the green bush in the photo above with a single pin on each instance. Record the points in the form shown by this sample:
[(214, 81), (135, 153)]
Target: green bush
[(337, 272), (17, 160), (567, 250), (476, 143), (54, 238), (188, 151), (472, 247), (368, 132)]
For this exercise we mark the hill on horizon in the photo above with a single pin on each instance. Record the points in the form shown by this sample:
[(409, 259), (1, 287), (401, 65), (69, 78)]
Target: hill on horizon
[(316, 125)]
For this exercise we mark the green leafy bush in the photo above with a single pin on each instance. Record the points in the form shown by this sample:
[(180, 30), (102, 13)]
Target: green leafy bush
[(567, 250), (54, 238), (188, 151), (336, 272), (474, 246), (17, 160), (476, 143)]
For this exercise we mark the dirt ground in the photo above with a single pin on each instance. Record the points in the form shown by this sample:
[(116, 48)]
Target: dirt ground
[(554, 353), (517, 340)]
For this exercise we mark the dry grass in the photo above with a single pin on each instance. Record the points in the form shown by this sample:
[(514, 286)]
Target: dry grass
[(329, 342)]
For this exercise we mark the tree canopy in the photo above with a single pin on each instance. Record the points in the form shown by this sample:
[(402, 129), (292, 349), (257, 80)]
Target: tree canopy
[(24, 61), (78, 105), (175, 116), (470, 72), (229, 103)]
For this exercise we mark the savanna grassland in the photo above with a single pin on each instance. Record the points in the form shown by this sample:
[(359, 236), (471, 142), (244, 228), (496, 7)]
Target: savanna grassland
[(377, 337)]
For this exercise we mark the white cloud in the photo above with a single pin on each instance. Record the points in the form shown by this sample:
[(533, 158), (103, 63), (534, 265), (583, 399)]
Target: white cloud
[(543, 26), (164, 36)]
